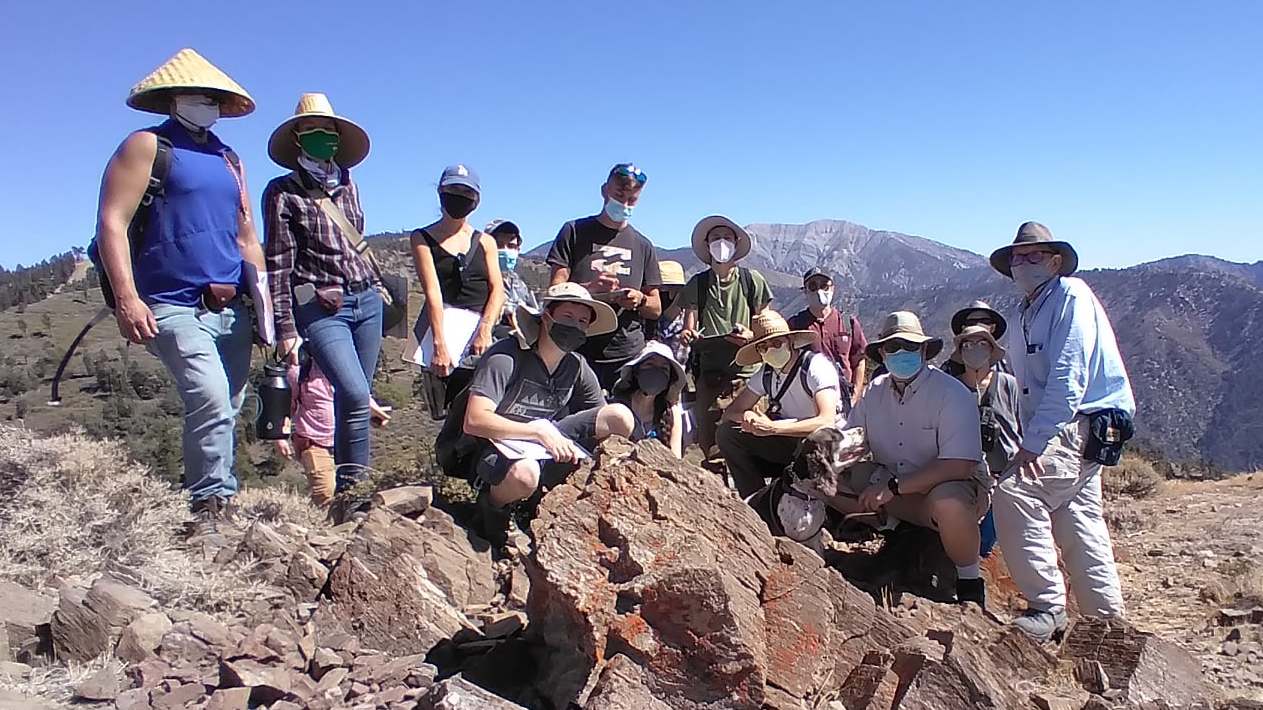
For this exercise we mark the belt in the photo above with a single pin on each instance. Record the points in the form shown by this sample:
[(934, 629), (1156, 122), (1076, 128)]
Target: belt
[(358, 286)]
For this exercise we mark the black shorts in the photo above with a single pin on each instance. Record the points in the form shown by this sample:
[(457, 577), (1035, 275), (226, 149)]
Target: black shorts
[(491, 466)]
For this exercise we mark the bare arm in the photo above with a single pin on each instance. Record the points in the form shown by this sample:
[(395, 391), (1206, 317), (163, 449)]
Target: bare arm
[(559, 275), (742, 403), (826, 414), (651, 308), (247, 236), (677, 432), (861, 370), (494, 306), (122, 187), (423, 260), (936, 472)]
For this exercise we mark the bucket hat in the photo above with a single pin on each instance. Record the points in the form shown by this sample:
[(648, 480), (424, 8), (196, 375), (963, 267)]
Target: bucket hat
[(353, 141), (708, 223), (1035, 233), (189, 72), (997, 350), (603, 321), (652, 348), (959, 318), (769, 325), (904, 325)]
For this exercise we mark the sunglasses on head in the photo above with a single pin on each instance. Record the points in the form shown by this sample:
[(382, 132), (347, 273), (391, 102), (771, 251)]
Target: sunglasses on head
[(631, 171), (1034, 257), (894, 346)]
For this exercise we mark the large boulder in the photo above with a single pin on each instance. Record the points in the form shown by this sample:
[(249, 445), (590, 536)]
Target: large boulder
[(22, 611), (654, 561), (1138, 664)]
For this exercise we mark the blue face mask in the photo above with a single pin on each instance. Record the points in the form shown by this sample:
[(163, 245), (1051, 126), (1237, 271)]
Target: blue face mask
[(904, 365), (508, 259), (617, 211)]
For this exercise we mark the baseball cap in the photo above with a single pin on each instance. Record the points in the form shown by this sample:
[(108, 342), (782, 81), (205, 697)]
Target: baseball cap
[(813, 271), (460, 174), (497, 226)]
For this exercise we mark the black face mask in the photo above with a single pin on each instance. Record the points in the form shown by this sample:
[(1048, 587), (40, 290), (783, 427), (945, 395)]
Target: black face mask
[(567, 337), (456, 206), (653, 382)]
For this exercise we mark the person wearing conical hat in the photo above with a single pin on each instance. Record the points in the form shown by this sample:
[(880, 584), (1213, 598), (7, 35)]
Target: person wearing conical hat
[(325, 290), (922, 428), (1077, 409), (718, 304), (803, 392), (176, 252)]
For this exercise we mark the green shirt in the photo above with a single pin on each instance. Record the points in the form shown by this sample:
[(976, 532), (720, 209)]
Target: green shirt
[(726, 306)]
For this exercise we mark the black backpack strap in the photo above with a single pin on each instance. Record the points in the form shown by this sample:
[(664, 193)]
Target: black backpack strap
[(703, 293), (796, 373), (157, 186), (233, 159), (747, 285)]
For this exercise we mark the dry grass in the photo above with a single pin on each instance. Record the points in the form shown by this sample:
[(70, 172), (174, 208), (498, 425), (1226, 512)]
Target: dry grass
[(72, 507), (55, 685), (1133, 477), (280, 504), (1240, 585)]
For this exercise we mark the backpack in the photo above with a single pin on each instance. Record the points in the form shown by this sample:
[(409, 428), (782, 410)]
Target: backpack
[(747, 288)]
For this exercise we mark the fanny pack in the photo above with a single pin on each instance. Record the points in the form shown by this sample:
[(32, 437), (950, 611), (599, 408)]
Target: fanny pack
[(1108, 430), (216, 296)]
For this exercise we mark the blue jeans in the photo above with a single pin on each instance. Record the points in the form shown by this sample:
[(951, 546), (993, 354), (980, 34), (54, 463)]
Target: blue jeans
[(208, 356), (345, 345)]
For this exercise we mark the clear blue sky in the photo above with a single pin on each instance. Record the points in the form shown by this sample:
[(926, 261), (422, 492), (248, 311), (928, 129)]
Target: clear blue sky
[(1134, 129)]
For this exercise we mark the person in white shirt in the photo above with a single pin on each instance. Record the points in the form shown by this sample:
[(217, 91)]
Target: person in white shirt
[(922, 427), (1076, 412), (802, 388)]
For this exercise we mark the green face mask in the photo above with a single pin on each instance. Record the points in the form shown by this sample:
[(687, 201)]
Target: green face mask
[(319, 143)]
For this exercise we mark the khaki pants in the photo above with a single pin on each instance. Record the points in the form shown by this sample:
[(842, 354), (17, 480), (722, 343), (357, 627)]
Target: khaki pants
[(1062, 511), (318, 463), (916, 508), (714, 394)]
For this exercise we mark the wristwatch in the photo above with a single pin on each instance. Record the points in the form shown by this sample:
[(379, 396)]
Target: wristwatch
[(893, 485)]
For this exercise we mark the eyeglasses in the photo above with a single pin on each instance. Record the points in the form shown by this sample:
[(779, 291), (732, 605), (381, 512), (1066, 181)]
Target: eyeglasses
[(894, 346), (631, 171), (975, 345), (1034, 257), (772, 344), (819, 285)]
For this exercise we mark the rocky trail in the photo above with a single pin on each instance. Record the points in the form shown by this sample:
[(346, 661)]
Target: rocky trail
[(644, 585)]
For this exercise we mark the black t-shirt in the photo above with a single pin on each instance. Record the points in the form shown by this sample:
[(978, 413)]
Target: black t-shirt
[(588, 248), (532, 393), (463, 278)]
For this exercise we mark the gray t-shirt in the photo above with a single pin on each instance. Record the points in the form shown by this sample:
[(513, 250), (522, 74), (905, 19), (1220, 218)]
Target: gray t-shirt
[(588, 248), (1004, 401), (530, 392)]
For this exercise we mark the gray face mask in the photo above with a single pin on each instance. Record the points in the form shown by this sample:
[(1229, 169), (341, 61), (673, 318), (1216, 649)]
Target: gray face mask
[(979, 358), (653, 381), (1029, 277)]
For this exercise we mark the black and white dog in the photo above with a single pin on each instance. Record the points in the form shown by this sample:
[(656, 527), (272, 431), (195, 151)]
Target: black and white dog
[(794, 505)]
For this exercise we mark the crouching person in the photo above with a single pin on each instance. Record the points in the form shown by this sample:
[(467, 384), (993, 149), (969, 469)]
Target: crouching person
[(534, 407), (802, 388), (922, 429), (649, 385)]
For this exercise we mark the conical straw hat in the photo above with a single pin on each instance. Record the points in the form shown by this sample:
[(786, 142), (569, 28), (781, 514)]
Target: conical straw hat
[(352, 140), (189, 70)]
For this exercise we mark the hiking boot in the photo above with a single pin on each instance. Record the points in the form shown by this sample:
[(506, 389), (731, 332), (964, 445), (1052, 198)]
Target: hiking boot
[(493, 522), (207, 514), (971, 590), (1042, 626)]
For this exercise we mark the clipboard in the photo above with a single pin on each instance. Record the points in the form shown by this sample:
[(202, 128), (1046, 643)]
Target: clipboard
[(459, 326)]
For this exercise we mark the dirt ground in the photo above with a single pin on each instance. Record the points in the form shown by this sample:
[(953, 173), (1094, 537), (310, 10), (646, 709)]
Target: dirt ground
[(1186, 555)]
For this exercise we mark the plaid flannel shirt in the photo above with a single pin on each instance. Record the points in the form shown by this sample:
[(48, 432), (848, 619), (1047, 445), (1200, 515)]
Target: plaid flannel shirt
[(303, 245)]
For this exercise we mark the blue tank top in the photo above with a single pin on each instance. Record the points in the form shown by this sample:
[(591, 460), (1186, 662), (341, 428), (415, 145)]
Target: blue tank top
[(190, 240)]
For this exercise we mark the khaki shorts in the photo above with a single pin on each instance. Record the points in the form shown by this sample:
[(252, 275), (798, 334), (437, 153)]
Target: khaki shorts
[(917, 508)]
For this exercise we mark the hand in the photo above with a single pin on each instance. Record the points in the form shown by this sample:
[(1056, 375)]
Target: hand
[(481, 341), (688, 336), (558, 446), (630, 299), (740, 335), (135, 320), (441, 365), (754, 423), (377, 413), (288, 349), (603, 283), (1027, 464), (284, 448), (875, 496)]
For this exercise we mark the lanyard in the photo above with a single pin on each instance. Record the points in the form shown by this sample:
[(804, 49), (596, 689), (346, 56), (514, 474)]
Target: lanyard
[(1029, 315)]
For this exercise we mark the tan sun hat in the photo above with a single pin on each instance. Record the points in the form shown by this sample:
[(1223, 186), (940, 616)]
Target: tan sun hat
[(186, 72), (1035, 233), (708, 223), (352, 140), (904, 325), (768, 325), (997, 350), (671, 273), (604, 319)]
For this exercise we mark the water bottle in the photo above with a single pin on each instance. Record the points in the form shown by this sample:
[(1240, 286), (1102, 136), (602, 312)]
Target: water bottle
[(274, 398)]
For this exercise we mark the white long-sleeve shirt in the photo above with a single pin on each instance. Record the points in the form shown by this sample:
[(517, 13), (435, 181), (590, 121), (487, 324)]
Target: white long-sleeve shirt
[(1066, 360)]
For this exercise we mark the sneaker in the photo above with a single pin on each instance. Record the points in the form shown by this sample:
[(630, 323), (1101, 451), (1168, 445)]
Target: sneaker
[(493, 522), (1042, 626), (971, 590)]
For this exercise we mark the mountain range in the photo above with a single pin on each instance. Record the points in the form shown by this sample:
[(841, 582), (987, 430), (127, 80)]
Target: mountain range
[(1190, 327)]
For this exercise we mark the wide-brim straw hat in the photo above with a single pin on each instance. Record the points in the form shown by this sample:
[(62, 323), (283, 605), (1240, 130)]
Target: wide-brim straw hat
[(604, 319), (353, 143), (1035, 233), (959, 318), (997, 350), (708, 223), (769, 325), (652, 348), (904, 325), (671, 273), (185, 73)]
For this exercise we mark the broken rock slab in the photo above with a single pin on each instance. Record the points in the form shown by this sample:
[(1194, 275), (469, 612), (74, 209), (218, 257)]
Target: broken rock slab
[(410, 501), (22, 611), (459, 694), (78, 632), (1141, 666), (141, 637), (117, 603)]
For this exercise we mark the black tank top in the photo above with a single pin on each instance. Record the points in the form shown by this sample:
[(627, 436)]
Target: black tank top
[(462, 277)]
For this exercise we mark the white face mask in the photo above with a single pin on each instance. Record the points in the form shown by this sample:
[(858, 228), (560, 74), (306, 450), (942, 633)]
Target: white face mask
[(197, 113), (821, 298), (722, 250)]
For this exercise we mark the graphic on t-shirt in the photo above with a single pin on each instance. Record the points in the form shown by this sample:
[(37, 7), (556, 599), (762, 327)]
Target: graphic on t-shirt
[(531, 400), (612, 260)]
